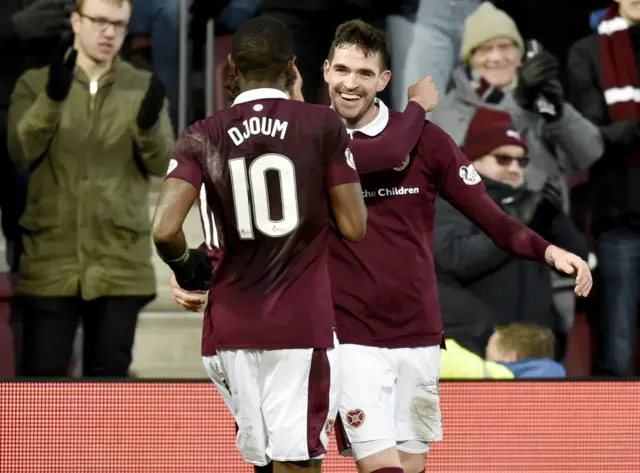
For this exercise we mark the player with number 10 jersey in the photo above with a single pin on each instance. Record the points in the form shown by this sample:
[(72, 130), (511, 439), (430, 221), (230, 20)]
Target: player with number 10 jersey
[(269, 173), (262, 180)]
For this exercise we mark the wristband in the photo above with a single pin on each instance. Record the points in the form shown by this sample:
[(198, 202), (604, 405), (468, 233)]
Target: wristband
[(178, 261)]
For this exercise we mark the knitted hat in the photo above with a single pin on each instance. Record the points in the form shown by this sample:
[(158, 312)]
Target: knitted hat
[(489, 129), (487, 23)]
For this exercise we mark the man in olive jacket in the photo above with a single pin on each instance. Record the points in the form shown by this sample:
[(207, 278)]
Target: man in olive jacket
[(92, 130)]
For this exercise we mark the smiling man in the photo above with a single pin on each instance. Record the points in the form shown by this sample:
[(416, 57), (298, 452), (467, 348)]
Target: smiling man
[(384, 288)]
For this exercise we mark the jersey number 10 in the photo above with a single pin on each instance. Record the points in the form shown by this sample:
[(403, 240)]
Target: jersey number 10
[(255, 180)]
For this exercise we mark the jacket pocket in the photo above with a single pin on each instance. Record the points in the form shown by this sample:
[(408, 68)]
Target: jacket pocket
[(132, 230), (42, 236)]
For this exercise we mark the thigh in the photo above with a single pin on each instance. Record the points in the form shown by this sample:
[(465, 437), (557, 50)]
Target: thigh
[(49, 329), (240, 369), (300, 393), (109, 325), (367, 405), (418, 416)]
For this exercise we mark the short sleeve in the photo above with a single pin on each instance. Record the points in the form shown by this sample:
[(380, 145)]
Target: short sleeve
[(341, 168), (186, 159)]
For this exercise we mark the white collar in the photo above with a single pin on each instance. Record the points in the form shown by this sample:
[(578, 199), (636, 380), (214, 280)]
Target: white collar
[(378, 124), (259, 94)]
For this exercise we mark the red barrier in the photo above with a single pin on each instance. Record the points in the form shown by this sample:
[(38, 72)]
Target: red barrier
[(159, 427)]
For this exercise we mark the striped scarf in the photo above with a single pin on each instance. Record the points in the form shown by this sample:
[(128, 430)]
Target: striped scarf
[(619, 71)]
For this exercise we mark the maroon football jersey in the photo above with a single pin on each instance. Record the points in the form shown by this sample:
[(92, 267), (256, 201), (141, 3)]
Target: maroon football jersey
[(384, 288), (263, 168)]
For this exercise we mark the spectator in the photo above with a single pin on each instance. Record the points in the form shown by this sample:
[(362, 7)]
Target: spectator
[(91, 135), (514, 351), (427, 44), (526, 349), (492, 76), (468, 264), (603, 80)]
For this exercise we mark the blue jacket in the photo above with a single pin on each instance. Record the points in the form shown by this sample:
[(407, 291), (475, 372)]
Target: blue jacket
[(536, 368)]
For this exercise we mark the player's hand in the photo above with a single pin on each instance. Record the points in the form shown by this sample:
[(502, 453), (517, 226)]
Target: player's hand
[(424, 93), (189, 300), (296, 91), (193, 273), (572, 265)]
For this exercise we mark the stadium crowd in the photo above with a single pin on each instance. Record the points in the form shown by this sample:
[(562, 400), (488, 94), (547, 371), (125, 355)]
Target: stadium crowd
[(543, 98)]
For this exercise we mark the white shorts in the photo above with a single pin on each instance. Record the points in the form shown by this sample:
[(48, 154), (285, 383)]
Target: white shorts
[(284, 402), (390, 397)]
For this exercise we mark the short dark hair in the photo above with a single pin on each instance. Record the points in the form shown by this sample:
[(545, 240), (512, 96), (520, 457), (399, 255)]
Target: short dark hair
[(365, 37), (262, 48)]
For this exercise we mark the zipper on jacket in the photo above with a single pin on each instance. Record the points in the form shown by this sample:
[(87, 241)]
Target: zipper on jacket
[(84, 179), (93, 91)]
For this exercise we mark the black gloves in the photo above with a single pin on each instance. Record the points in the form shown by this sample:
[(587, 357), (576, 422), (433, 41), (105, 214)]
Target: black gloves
[(43, 18), (194, 273), (61, 70), (540, 209), (539, 88), (151, 105)]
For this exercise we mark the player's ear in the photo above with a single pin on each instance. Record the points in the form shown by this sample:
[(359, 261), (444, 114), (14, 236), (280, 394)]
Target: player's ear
[(232, 65), (325, 69), (291, 68), (290, 74), (385, 77)]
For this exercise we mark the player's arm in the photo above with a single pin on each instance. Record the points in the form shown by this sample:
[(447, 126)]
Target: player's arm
[(178, 194), (391, 148), (176, 199), (469, 196), (345, 193)]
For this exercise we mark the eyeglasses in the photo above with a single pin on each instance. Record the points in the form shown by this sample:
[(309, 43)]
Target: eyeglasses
[(504, 160), (102, 24)]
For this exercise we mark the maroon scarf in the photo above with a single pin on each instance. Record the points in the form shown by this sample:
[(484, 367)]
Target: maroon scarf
[(619, 71)]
